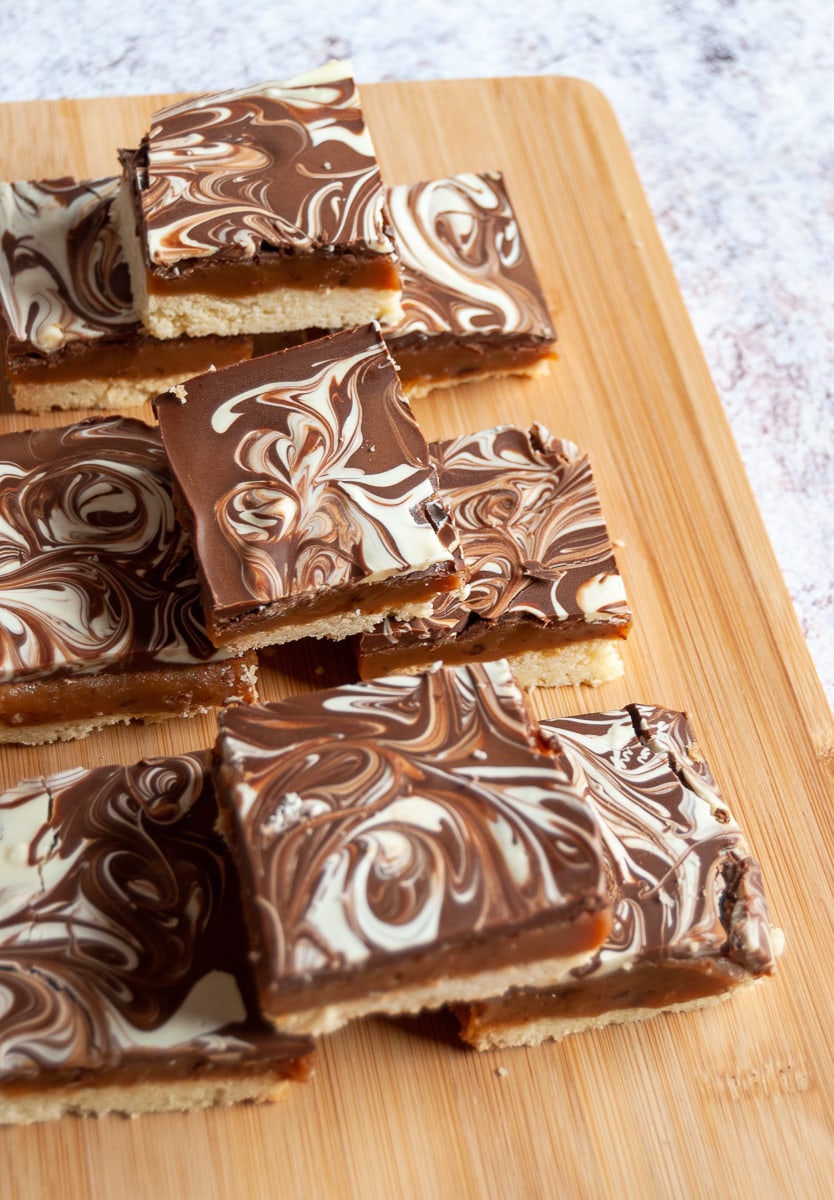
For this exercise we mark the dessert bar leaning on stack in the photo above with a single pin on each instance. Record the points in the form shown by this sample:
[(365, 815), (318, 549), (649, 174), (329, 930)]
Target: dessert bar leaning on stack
[(308, 491), (70, 333), (690, 919), (100, 617), (543, 586), (405, 844), (124, 981), (259, 210), (473, 307)]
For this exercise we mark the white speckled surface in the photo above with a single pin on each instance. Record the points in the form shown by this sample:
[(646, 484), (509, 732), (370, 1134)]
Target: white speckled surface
[(728, 108)]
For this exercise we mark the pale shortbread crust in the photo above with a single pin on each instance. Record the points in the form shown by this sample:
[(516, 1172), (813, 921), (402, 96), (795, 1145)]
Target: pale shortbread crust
[(99, 394), (48, 1103)]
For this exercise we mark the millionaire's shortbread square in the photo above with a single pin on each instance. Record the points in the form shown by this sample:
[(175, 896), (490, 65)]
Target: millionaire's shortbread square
[(100, 616), (543, 585), (307, 488), (406, 843), (125, 984), (690, 919), (259, 209), (70, 334), (473, 306)]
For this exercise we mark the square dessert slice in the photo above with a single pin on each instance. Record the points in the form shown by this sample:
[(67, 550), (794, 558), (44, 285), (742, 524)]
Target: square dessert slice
[(69, 330), (258, 210), (690, 918), (543, 585), (100, 616), (308, 490), (405, 842), (472, 303), (124, 979)]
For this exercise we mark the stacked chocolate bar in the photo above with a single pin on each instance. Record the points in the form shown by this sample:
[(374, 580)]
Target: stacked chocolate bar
[(257, 211)]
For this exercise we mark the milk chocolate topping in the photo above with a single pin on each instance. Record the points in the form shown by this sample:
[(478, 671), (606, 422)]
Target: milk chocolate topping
[(286, 167), (528, 516), (683, 882), (120, 929), (302, 471), (63, 278), (95, 571), (401, 816), (465, 266)]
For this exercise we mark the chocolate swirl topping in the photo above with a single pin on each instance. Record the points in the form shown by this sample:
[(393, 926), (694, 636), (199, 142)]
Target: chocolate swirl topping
[(63, 277), (286, 167), (120, 928), (534, 540), (682, 880), (95, 571), (401, 816), (465, 266), (303, 470)]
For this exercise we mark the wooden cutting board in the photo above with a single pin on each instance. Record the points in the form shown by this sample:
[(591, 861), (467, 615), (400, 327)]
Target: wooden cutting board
[(736, 1099)]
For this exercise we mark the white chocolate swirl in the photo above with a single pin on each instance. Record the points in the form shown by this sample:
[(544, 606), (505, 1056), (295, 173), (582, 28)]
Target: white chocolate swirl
[(63, 277), (466, 269), (95, 571), (683, 883), (382, 818), (120, 928), (319, 476), (283, 165)]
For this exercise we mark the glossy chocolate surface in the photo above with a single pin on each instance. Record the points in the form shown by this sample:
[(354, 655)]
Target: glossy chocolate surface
[(63, 279), (407, 817), (466, 269), (286, 167), (535, 544), (95, 571), (121, 948), (302, 472), (683, 882)]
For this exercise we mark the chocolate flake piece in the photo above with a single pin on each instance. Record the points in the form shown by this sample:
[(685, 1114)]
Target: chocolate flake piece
[(259, 210), (100, 617), (124, 980), (543, 585), (473, 306), (690, 918), (70, 332), (308, 489), (405, 842)]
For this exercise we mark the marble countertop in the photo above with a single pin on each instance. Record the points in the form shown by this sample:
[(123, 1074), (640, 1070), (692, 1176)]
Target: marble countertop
[(728, 109)]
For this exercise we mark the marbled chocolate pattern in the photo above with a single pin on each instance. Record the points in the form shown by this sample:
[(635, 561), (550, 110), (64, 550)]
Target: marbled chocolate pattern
[(120, 926), (381, 818), (465, 266), (94, 569), (534, 540), (683, 882), (63, 278), (284, 166), (319, 476)]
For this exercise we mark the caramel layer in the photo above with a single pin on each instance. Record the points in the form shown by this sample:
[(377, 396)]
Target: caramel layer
[(135, 694), (479, 640), (308, 271), (138, 358), (430, 363)]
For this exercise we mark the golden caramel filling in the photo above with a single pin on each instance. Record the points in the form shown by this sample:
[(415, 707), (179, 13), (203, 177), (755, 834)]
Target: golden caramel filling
[(307, 271), (446, 363), (135, 360)]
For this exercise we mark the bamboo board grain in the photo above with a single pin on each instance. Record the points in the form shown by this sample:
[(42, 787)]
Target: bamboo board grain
[(738, 1098)]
